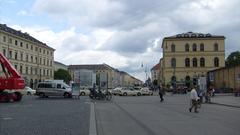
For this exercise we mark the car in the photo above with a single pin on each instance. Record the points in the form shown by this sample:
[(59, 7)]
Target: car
[(28, 91), (146, 91), (84, 91), (116, 91), (128, 91), (53, 88)]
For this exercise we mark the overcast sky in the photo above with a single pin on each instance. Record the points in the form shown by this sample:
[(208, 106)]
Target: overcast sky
[(121, 33)]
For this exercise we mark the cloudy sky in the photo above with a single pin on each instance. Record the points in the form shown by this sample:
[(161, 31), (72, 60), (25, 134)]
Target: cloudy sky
[(121, 33)]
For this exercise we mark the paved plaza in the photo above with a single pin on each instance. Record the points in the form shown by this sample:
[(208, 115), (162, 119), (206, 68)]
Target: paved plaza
[(144, 115)]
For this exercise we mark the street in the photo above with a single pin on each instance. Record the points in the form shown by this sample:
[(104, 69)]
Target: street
[(133, 115)]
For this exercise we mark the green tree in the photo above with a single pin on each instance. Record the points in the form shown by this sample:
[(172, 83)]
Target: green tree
[(233, 59), (62, 74), (155, 82)]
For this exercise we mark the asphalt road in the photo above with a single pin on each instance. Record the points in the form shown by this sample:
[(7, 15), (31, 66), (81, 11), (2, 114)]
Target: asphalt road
[(147, 116), (48, 116)]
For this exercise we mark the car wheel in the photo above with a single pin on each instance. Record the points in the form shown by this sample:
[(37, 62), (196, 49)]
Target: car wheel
[(28, 93), (139, 94), (41, 95), (19, 96), (124, 94), (66, 95), (83, 94)]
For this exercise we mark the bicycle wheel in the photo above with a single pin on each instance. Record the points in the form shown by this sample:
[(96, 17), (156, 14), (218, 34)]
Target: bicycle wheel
[(108, 96)]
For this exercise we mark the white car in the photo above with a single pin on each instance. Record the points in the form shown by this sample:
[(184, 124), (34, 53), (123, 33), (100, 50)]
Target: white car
[(129, 92), (116, 91), (84, 91), (28, 91), (146, 91)]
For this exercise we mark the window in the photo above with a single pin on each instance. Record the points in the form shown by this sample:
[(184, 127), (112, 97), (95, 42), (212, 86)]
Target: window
[(27, 46), (47, 52), (10, 54), (187, 62), (40, 61), (21, 44), (44, 61), (194, 61), (173, 48), (59, 86), (36, 49), (16, 42), (4, 52), (40, 50), (26, 70), (187, 47), (16, 67), (202, 62), (173, 62), (194, 47), (20, 69), (47, 62), (43, 71), (21, 56), (216, 62), (16, 54), (36, 59), (4, 39), (31, 58), (10, 40), (31, 70), (31, 47), (216, 47), (201, 47), (26, 57)]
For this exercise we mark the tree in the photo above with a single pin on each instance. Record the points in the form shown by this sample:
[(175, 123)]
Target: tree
[(62, 74), (233, 59), (155, 82)]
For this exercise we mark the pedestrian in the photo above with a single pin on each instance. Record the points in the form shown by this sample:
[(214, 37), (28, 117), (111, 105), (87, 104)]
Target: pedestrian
[(194, 100), (160, 92)]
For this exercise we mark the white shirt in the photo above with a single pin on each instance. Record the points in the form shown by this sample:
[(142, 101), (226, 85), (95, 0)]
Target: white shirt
[(193, 94)]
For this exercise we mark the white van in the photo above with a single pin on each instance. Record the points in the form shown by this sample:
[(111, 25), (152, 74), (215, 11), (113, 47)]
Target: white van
[(53, 88)]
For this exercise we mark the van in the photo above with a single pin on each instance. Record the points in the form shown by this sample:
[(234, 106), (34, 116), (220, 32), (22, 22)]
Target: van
[(53, 88)]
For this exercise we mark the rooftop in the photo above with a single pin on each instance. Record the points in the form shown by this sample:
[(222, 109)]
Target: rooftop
[(156, 67), (193, 35)]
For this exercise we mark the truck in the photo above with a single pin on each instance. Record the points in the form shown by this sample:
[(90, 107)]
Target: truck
[(11, 82)]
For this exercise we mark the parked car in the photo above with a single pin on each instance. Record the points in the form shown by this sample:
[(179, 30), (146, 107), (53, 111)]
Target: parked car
[(28, 91), (129, 92), (84, 91), (146, 91), (52, 88), (116, 91)]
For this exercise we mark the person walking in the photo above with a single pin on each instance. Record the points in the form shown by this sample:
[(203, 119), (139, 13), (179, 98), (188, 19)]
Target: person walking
[(194, 100), (160, 92)]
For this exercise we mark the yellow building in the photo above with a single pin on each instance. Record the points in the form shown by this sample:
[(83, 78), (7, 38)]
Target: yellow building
[(32, 58), (188, 56)]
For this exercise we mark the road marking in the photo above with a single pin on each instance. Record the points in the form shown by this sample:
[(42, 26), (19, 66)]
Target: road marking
[(7, 118), (92, 123)]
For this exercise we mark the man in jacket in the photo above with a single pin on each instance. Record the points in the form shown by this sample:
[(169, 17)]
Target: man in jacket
[(194, 100)]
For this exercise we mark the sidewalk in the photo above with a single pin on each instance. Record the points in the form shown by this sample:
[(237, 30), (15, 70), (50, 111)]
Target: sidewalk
[(226, 100)]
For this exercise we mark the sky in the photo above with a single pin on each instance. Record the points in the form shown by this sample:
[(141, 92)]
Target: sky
[(124, 34)]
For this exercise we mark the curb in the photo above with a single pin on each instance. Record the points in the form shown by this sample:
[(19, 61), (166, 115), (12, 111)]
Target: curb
[(234, 106), (92, 123)]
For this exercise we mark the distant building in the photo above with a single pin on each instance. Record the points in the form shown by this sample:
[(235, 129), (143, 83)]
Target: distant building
[(188, 56), (155, 72), (32, 58), (226, 77), (58, 65)]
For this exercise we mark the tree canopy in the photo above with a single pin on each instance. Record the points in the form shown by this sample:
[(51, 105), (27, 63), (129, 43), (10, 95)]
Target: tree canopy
[(233, 59), (62, 74)]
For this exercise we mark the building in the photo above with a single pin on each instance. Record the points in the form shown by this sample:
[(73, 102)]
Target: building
[(226, 77), (58, 65), (155, 70), (188, 56), (113, 77), (32, 58)]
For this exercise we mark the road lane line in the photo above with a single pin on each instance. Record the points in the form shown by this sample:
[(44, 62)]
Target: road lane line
[(92, 123)]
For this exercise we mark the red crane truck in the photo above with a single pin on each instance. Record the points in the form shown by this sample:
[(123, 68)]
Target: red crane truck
[(9, 82)]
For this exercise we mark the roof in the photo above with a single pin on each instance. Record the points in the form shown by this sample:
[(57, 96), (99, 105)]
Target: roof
[(156, 67), (193, 35), (59, 63), (91, 67), (222, 68), (25, 35)]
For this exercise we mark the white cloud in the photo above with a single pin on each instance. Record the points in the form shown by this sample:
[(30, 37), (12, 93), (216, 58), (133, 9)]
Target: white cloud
[(22, 12)]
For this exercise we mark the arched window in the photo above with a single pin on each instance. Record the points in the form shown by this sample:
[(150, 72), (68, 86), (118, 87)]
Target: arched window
[(216, 47), (194, 62), (216, 62), (201, 47), (173, 48), (187, 62), (187, 47), (194, 47), (202, 62), (173, 62)]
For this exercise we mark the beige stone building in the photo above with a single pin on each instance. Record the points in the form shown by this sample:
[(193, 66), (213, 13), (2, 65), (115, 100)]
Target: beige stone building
[(155, 72), (227, 77), (32, 58), (188, 56)]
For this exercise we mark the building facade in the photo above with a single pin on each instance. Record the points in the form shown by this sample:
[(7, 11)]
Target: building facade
[(188, 56), (32, 58), (155, 70), (227, 77)]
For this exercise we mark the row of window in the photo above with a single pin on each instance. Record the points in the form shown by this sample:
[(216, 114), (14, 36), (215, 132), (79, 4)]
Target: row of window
[(10, 41), (194, 47), (33, 70), (28, 58), (195, 62)]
